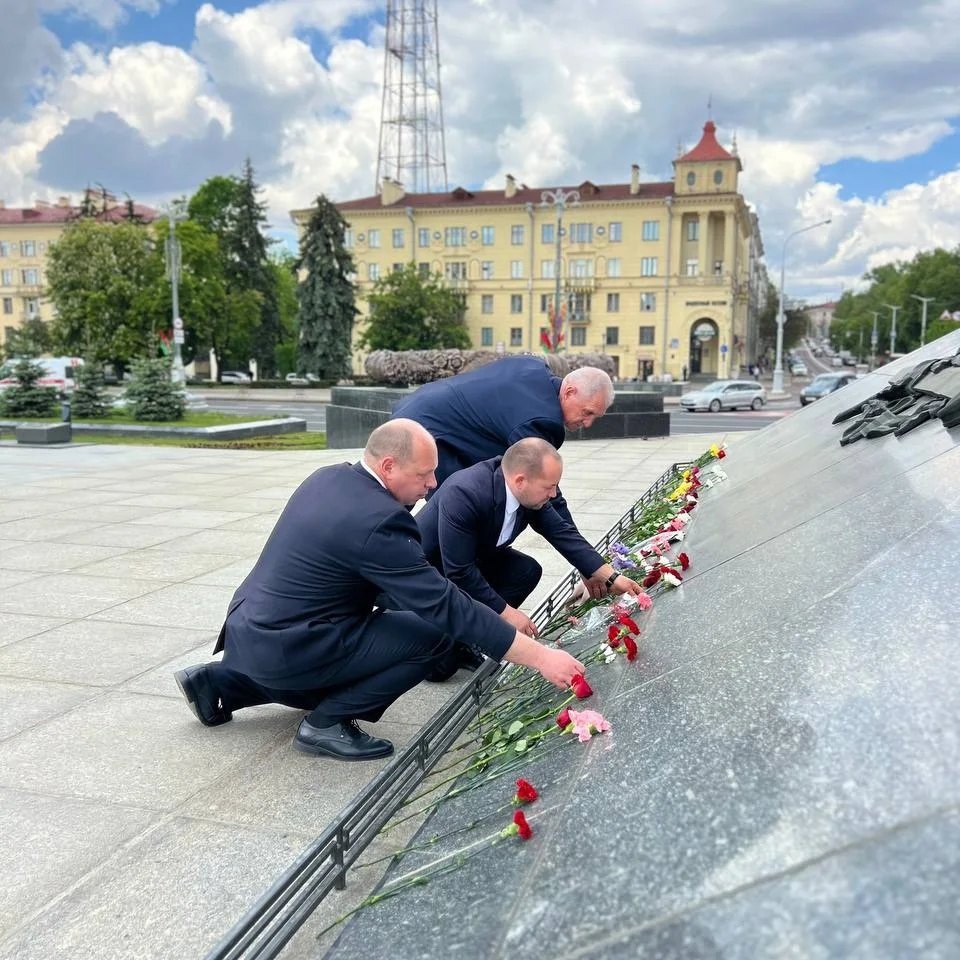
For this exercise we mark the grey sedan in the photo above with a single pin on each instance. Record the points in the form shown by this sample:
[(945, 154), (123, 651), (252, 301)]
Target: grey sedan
[(725, 395)]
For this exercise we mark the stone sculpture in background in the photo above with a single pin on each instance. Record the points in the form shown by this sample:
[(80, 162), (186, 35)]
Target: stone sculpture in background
[(931, 390), (424, 366)]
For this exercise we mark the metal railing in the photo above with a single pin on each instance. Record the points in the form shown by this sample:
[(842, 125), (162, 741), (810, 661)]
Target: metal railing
[(277, 915)]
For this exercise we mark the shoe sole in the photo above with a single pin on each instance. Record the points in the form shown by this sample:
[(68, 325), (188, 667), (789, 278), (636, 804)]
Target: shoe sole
[(313, 750)]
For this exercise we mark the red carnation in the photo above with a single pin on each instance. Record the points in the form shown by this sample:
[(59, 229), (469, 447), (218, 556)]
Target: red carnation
[(563, 719), (651, 578), (522, 826), (581, 689), (628, 623), (613, 635), (631, 646), (673, 572), (684, 561), (526, 792), (721, 454)]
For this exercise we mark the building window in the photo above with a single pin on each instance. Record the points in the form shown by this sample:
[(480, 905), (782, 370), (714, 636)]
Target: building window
[(516, 235), (486, 303), (516, 336), (516, 269), (648, 266), (548, 233), (397, 237), (581, 232), (373, 271), (615, 232), (691, 178), (28, 248), (373, 239), (4, 248), (423, 237), (455, 236), (516, 303), (397, 268), (546, 301), (548, 269), (613, 336), (648, 301), (423, 269), (486, 270), (718, 268), (578, 336), (6, 278), (613, 267), (613, 303), (348, 238), (691, 268), (486, 336), (32, 306), (693, 229), (580, 307), (455, 270), (581, 267), (647, 336), (487, 235), (651, 230), (8, 305), (718, 177)]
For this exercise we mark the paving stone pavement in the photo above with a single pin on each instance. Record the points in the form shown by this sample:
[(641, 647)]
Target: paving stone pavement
[(127, 829)]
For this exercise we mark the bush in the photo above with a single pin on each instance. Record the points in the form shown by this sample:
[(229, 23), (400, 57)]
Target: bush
[(27, 399), (89, 398), (152, 395)]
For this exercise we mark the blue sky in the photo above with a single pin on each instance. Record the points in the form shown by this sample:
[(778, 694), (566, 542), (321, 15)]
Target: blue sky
[(841, 111)]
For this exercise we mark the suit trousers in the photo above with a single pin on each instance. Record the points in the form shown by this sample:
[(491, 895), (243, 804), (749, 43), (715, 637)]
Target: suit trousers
[(394, 651), (512, 574)]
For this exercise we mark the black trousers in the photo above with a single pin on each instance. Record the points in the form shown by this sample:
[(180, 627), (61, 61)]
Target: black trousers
[(392, 654)]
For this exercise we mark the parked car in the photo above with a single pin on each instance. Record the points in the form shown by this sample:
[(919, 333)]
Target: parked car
[(823, 384), (234, 376), (295, 380), (725, 395), (798, 368)]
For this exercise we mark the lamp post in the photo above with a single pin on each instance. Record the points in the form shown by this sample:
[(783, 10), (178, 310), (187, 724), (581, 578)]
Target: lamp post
[(893, 327), (778, 366), (923, 318), (559, 199), (874, 339), (172, 252)]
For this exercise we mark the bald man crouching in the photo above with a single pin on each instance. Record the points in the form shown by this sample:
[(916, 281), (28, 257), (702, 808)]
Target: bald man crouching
[(301, 629)]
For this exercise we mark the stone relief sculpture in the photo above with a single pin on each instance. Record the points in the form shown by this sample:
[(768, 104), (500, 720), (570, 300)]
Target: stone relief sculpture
[(930, 391)]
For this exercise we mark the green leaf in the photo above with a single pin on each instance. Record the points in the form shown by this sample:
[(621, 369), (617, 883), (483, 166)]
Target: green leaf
[(514, 728), (520, 746)]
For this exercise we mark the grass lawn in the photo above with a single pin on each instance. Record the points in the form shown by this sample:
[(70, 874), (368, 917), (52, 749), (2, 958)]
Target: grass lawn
[(284, 441), (192, 418)]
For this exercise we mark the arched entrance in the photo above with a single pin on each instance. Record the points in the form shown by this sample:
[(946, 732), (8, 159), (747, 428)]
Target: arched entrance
[(704, 348)]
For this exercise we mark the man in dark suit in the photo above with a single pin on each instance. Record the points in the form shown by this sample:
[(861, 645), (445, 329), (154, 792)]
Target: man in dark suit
[(301, 629), (468, 527), (475, 416)]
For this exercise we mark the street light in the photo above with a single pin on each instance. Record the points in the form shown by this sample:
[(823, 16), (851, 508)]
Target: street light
[(923, 319), (893, 326), (874, 340), (175, 213), (559, 199), (778, 366)]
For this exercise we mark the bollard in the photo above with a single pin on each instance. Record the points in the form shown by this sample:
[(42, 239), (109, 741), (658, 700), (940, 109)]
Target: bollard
[(65, 411)]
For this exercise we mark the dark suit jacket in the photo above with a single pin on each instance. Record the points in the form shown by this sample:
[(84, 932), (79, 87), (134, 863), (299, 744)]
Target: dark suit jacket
[(460, 525), (341, 539), (477, 415)]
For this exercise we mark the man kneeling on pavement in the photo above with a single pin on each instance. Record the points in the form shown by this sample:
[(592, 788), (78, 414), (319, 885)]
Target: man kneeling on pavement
[(467, 528), (302, 629)]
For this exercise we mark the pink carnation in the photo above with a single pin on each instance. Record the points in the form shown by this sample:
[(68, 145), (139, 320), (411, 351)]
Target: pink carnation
[(644, 601), (588, 722)]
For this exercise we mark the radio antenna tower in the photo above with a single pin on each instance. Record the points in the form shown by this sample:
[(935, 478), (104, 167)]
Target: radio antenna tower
[(412, 149)]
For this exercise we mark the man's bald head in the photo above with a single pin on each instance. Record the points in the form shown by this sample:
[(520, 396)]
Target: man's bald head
[(404, 455)]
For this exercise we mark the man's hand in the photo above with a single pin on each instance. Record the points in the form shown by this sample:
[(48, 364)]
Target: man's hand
[(557, 666), (595, 584), (519, 621), (625, 585)]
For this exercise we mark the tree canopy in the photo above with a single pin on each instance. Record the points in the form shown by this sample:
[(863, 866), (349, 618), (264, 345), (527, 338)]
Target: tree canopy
[(411, 312)]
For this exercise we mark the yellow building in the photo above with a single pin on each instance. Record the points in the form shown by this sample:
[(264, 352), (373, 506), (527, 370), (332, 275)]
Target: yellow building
[(26, 234), (656, 275)]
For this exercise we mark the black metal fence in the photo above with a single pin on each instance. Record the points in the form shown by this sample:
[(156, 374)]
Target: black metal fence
[(270, 923)]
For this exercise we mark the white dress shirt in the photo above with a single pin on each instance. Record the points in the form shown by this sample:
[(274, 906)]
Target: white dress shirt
[(366, 466), (509, 517)]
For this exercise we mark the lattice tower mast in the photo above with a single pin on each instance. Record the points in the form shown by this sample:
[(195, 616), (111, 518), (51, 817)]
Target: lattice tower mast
[(412, 148)]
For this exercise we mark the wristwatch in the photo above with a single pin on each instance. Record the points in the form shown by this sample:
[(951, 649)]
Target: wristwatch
[(608, 583)]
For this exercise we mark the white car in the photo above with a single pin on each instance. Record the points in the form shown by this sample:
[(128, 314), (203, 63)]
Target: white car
[(798, 368), (725, 395), (295, 380), (234, 376)]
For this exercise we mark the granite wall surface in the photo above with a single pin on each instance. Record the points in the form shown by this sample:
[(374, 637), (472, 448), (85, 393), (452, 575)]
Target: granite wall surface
[(781, 777)]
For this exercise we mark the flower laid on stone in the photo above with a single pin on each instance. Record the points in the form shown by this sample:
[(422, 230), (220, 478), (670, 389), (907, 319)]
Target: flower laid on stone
[(684, 561), (526, 792), (581, 689), (588, 722), (519, 827), (631, 647), (563, 719)]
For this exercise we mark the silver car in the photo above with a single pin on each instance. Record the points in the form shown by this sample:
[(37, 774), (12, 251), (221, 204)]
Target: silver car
[(725, 395)]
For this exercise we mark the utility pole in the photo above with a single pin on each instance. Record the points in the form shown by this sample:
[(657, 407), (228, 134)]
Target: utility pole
[(559, 199), (175, 213), (893, 328), (874, 340), (923, 319)]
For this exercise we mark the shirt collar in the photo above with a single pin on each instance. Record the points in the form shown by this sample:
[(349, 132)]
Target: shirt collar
[(513, 504), (366, 466)]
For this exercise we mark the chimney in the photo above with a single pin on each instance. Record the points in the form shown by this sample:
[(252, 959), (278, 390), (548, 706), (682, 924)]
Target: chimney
[(511, 190), (63, 201), (391, 191), (634, 179)]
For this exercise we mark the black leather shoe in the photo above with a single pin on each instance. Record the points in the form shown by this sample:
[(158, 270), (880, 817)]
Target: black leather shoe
[(343, 741), (202, 696), (468, 657)]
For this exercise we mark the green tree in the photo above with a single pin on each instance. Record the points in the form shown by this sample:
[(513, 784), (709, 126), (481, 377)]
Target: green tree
[(31, 339), (89, 398), (284, 267), (151, 394), (326, 295), (27, 399), (410, 312), (99, 278)]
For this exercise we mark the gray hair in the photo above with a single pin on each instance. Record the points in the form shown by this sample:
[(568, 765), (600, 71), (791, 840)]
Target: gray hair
[(591, 382), (395, 438), (526, 456)]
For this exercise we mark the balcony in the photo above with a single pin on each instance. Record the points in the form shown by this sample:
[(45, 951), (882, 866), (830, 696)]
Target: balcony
[(701, 280), (457, 284), (580, 318), (580, 283)]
